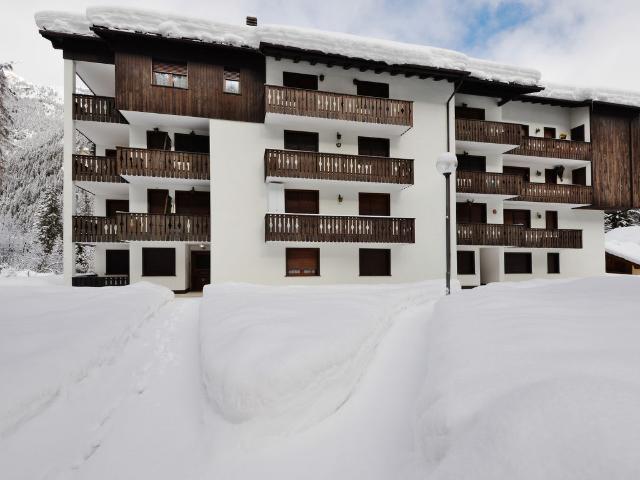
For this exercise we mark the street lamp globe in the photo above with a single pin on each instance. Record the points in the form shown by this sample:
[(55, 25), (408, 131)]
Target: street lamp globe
[(447, 163)]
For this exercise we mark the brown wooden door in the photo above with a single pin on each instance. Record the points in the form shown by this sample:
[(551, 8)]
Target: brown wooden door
[(158, 140), (579, 176), (472, 163), (200, 269), (190, 202), (376, 147), (305, 141), (471, 212), (113, 206), (300, 80), (301, 201), (158, 201), (551, 219), (524, 172), (550, 175), (378, 204), (517, 217)]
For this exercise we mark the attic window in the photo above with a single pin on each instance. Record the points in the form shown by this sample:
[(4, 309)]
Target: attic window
[(231, 81), (170, 74)]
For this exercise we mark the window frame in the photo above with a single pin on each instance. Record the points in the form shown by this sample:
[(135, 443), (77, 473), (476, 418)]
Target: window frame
[(167, 252), (172, 75), (529, 263)]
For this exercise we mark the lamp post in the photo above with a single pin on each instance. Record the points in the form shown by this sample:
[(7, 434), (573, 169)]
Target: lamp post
[(446, 164)]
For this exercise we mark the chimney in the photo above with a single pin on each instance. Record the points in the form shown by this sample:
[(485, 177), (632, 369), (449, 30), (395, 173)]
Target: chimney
[(252, 21)]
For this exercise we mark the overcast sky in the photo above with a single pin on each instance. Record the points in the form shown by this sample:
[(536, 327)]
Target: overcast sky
[(583, 42)]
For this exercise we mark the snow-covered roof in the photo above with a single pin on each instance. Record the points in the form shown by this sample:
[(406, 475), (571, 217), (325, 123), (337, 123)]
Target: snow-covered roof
[(580, 94), (624, 242), (354, 46)]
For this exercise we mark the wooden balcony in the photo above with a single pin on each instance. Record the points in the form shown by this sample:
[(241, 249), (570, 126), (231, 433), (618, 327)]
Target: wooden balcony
[(487, 234), (556, 193), (96, 109), (338, 106), (542, 238), (553, 148), (335, 166), (287, 227), (488, 183), (100, 281), (162, 163), (492, 234), (92, 168), (141, 227), (483, 131)]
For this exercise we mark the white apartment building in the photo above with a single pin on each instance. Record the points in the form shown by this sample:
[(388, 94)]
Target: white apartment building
[(278, 155)]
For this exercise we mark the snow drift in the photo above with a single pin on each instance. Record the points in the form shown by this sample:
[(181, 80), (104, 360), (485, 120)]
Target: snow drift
[(53, 337), (534, 381), (287, 357)]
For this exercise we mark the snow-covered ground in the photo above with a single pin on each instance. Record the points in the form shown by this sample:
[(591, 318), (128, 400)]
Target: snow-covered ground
[(26, 278), (512, 381)]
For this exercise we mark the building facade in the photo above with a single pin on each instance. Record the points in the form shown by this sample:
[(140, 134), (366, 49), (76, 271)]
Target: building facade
[(263, 160)]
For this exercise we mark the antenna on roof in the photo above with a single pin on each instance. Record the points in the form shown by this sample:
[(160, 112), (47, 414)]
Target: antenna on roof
[(252, 21)]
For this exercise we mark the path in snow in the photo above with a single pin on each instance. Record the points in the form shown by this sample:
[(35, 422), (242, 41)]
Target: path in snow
[(136, 417)]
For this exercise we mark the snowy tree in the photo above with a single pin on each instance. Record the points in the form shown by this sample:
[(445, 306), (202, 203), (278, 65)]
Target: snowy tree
[(621, 218), (49, 220), (5, 118)]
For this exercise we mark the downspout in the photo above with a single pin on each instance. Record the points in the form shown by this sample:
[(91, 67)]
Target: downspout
[(455, 90)]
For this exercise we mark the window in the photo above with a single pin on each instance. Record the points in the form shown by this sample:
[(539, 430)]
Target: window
[(471, 212), (190, 202), (577, 133), (551, 219), (553, 262), (114, 206), (511, 216), (300, 80), (378, 204), (305, 141), (303, 262), (372, 146), (549, 132), (158, 201), (524, 172), (117, 262), (372, 89), (158, 140), (524, 130), (302, 201), (466, 262), (472, 163), (191, 143), (158, 262), (470, 113), (169, 74), (579, 176), (519, 262), (231, 81), (375, 262)]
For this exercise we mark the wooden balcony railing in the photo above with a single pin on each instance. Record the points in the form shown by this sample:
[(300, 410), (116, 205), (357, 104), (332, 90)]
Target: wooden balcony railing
[(488, 132), (142, 227), (553, 148), (516, 236), (338, 106), (488, 183), (91, 168), (96, 109), (494, 234), (91, 229), (163, 163), (556, 193), (335, 166), (543, 238), (327, 228), (96, 281)]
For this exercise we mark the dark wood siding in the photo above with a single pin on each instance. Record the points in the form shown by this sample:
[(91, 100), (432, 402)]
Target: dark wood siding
[(615, 159), (203, 98)]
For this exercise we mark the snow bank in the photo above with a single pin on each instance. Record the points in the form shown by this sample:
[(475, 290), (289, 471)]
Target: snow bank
[(13, 278), (287, 357), (53, 337), (334, 43), (531, 383), (624, 242), (581, 94)]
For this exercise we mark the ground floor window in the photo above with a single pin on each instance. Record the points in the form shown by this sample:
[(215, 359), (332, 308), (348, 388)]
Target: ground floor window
[(303, 262), (466, 262), (117, 262), (375, 262), (517, 262), (553, 262), (158, 262)]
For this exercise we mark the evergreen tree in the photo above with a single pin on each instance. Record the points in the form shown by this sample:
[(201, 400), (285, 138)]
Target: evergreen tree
[(49, 220), (621, 218), (5, 118)]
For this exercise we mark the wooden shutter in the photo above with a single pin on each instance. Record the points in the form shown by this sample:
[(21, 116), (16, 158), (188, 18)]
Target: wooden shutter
[(303, 262), (301, 201), (374, 204)]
